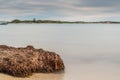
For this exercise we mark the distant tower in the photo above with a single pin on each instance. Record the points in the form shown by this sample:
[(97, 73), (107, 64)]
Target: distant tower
[(34, 20)]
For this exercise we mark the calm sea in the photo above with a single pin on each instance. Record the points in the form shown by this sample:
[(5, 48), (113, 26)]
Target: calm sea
[(89, 51)]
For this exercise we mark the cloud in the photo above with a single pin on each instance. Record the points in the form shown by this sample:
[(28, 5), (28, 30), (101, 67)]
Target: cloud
[(71, 10)]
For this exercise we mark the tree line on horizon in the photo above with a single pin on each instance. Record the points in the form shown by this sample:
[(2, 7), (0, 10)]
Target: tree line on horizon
[(56, 21), (37, 21)]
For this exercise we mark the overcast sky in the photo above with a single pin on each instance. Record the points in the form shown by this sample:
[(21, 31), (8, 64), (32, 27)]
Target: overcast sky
[(71, 10)]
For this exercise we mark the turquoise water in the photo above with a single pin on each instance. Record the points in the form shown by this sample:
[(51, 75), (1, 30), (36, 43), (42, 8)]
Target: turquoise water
[(90, 51)]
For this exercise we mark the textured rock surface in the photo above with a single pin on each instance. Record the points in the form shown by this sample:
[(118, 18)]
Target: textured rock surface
[(22, 62)]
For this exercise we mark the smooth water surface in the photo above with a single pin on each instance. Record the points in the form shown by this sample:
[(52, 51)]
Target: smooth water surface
[(89, 51)]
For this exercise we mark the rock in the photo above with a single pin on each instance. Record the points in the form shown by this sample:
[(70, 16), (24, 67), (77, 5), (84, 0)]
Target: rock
[(22, 62)]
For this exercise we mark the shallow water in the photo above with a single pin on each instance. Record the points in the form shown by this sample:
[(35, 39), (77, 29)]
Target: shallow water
[(89, 51)]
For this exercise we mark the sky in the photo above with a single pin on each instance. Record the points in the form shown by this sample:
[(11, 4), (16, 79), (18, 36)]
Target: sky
[(66, 10)]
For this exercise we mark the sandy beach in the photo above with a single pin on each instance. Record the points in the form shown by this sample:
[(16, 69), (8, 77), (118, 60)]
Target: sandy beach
[(35, 76)]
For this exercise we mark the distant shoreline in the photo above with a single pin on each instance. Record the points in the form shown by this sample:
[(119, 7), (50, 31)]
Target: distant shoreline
[(61, 22)]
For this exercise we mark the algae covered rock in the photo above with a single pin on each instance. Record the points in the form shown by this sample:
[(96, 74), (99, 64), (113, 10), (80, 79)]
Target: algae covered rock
[(22, 62)]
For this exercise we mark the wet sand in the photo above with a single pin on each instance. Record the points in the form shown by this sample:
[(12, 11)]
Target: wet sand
[(36, 76)]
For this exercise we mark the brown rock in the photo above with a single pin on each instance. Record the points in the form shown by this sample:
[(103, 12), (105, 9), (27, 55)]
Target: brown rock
[(22, 62)]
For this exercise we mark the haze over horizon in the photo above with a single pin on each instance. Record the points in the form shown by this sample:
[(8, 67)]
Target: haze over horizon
[(68, 10)]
